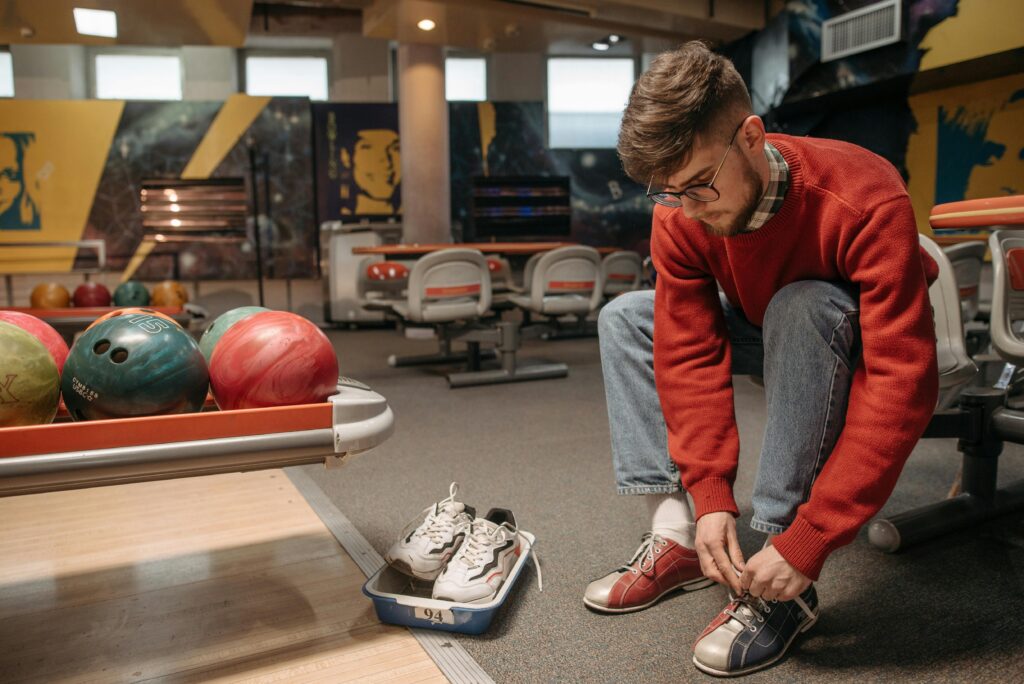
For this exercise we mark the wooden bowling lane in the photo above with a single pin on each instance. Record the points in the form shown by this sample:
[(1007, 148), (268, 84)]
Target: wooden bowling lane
[(222, 578)]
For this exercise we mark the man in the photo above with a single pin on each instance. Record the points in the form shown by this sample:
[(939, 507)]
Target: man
[(824, 293)]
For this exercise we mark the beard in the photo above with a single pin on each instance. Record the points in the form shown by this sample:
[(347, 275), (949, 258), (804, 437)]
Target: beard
[(751, 197)]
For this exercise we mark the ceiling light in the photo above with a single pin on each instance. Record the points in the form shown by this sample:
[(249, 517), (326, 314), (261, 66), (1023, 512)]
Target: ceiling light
[(90, 22), (600, 45), (426, 24)]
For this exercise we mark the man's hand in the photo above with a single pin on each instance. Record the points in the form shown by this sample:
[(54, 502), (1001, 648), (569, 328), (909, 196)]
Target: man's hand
[(771, 577), (719, 550)]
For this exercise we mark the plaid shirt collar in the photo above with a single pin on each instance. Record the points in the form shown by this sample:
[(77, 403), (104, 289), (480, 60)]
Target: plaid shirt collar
[(775, 194)]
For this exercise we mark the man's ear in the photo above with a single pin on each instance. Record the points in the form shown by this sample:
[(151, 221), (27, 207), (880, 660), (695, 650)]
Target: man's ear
[(752, 133), (346, 158)]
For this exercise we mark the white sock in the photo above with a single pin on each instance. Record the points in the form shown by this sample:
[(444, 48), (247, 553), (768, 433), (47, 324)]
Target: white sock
[(672, 518)]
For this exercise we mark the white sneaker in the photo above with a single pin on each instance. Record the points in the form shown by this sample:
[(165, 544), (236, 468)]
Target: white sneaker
[(483, 562), (427, 544)]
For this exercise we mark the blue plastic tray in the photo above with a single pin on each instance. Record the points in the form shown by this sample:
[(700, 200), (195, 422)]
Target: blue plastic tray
[(389, 590)]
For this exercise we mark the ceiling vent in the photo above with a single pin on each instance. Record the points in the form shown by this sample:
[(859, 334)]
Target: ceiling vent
[(861, 30)]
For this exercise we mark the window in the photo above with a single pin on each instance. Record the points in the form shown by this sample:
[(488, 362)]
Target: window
[(6, 75), (586, 97), (138, 77), (465, 78), (287, 76)]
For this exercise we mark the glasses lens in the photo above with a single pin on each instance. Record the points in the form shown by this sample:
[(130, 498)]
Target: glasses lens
[(701, 193), (666, 199)]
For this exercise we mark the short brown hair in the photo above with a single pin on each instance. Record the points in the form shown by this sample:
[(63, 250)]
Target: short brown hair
[(685, 92)]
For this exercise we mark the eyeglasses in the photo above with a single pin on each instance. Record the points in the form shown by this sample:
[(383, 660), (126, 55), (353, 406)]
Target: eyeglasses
[(702, 192)]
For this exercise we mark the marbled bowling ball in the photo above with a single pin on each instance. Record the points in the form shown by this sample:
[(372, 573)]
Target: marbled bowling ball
[(274, 358), (131, 293), (134, 365), (29, 381), (42, 331), (220, 325), (50, 296), (91, 294), (169, 293)]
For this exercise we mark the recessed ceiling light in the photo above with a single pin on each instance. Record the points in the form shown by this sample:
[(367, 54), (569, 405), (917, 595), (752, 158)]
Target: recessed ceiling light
[(426, 24), (613, 39), (600, 45), (90, 22)]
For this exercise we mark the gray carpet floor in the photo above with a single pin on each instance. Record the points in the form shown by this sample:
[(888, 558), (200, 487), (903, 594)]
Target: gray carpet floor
[(947, 611)]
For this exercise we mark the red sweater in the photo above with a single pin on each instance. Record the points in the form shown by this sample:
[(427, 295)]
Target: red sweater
[(846, 216)]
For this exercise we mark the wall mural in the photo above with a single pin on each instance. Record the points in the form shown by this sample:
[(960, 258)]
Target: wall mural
[(508, 139), (58, 185), (358, 161)]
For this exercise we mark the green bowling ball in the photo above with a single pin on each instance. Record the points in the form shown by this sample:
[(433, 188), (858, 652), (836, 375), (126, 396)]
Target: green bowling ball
[(220, 326), (131, 293), (134, 365), (29, 380)]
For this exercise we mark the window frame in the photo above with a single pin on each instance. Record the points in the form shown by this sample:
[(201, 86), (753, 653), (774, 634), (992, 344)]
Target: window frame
[(284, 53), (97, 51)]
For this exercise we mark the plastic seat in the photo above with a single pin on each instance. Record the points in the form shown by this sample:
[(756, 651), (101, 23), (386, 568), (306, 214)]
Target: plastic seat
[(967, 259), (446, 286), (563, 281), (955, 366), (1007, 317), (621, 272)]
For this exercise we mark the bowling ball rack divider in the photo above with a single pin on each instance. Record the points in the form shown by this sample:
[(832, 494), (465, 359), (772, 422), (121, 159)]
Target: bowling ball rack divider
[(59, 456)]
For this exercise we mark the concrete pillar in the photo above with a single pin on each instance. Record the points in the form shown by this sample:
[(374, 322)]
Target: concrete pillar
[(423, 126), (211, 73), (516, 77)]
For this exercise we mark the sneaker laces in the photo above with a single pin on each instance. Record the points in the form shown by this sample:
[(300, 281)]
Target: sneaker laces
[(481, 538), (645, 553), (440, 517)]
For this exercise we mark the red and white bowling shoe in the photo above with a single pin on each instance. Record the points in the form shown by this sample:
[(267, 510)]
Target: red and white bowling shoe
[(658, 567)]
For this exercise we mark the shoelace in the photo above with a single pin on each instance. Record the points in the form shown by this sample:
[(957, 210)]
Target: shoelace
[(753, 608), (649, 546), (439, 521), (482, 538)]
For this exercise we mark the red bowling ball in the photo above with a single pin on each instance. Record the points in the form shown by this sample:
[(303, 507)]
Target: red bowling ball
[(273, 358), (42, 331), (91, 294)]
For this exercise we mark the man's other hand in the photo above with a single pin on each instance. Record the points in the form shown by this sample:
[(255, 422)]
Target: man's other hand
[(719, 550), (771, 577)]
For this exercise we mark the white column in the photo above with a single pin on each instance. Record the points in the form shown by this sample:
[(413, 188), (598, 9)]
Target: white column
[(423, 126)]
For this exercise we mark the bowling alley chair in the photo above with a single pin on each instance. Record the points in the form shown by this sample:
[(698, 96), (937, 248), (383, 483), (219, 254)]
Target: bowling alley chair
[(968, 259), (982, 420), (565, 281), (621, 272), (446, 290)]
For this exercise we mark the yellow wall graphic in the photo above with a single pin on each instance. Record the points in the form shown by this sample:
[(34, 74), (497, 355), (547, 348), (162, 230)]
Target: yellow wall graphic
[(51, 157), (979, 28)]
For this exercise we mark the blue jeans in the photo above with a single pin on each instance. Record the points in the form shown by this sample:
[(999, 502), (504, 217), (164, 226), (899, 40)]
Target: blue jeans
[(806, 353)]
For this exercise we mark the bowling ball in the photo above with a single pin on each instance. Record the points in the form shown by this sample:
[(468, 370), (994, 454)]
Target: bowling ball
[(221, 324), (91, 294), (42, 331), (50, 296), (274, 358), (131, 293), (132, 310), (29, 380), (169, 293), (134, 365)]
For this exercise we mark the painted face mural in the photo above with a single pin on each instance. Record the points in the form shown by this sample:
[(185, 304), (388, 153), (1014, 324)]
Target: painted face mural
[(18, 210), (375, 162)]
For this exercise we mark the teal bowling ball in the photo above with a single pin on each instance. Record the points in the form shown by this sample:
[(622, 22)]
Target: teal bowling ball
[(220, 326), (131, 293), (134, 365)]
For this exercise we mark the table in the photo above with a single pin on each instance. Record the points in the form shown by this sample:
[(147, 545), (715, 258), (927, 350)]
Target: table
[(508, 248)]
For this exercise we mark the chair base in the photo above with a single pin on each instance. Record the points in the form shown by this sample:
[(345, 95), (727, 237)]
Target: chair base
[(540, 371), (429, 359)]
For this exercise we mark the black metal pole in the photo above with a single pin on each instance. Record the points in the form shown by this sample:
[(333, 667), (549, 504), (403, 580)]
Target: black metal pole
[(256, 220)]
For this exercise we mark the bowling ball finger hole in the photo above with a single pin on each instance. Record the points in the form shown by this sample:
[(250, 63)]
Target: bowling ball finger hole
[(101, 347), (119, 355)]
